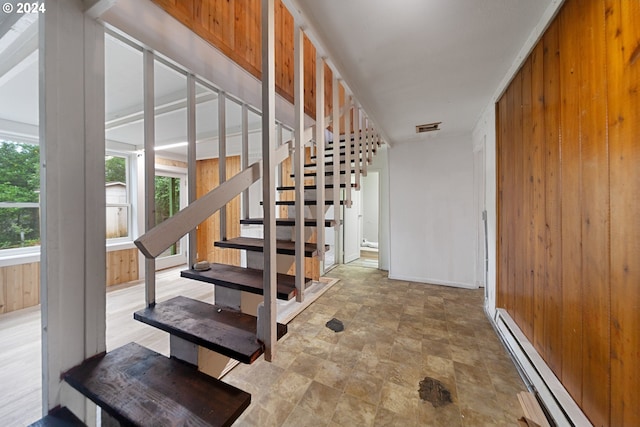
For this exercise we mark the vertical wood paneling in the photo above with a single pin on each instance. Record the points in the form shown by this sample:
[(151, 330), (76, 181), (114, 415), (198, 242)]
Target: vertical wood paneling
[(502, 253), (525, 228), (595, 212), (234, 28), (552, 324), (571, 171), (568, 179), (209, 231), (122, 266), (623, 77), (19, 286), (538, 202)]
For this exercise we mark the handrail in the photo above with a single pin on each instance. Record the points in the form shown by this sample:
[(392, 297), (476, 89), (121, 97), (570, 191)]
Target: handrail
[(155, 241)]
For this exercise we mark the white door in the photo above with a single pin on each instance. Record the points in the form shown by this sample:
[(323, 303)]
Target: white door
[(351, 232)]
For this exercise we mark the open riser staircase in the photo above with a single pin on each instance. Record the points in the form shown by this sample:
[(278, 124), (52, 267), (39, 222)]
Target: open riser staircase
[(136, 386)]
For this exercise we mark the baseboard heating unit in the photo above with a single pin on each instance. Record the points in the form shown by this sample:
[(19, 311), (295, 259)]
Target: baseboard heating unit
[(558, 405)]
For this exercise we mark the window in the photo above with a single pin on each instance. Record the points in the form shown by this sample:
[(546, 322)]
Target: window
[(19, 194), (117, 196)]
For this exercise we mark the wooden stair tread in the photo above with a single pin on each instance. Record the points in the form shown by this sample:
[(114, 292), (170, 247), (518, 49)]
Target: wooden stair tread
[(59, 417), (311, 187), (327, 173), (342, 153), (308, 222), (284, 247), (327, 202), (217, 328), (140, 387), (243, 279), (313, 165)]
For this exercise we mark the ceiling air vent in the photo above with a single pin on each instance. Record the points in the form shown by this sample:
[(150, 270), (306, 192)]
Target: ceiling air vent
[(429, 127)]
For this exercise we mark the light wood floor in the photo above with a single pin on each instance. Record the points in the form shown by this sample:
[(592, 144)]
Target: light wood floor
[(20, 336)]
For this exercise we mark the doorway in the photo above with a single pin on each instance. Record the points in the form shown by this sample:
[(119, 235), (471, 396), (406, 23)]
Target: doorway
[(362, 223), (170, 197)]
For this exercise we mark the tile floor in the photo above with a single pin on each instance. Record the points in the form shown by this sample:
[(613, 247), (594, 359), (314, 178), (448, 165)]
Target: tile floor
[(396, 333)]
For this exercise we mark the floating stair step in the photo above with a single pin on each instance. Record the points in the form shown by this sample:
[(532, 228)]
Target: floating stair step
[(59, 417), (228, 332), (327, 202), (243, 279), (330, 154), (308, 222), (283, 247), (313, 165), (312, 187), (326, 173), (140, 387)]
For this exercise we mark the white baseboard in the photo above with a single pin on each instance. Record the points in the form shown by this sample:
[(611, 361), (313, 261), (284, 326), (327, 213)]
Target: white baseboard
[(428, 281), (558, 403)]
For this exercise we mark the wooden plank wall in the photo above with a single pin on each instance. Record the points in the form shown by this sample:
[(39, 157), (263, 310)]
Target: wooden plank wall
[(208, 232), (122, 266), (568, 129), (234, 27), (20, 284)]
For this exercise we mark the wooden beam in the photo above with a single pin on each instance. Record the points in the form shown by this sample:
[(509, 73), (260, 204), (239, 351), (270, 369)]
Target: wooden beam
[(222, 156), (191, 161), (245, 158), (336, 168)]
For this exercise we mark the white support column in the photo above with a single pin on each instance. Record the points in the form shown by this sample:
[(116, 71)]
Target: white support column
[(191, 161), (363, 143), (269, 332), (298, 85), (347, 151), (356, 142), (72, 263), (222, 157), (149, 171), (320, 144), (336, 169), (245, 157)]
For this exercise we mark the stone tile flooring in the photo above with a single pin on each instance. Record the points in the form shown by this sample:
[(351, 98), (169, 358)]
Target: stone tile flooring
[(396, 334)]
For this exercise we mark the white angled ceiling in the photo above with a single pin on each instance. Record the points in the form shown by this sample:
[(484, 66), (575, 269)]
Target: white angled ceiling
[(412, 62)]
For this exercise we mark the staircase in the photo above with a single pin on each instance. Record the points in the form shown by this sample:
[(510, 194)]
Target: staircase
[(136, 386)]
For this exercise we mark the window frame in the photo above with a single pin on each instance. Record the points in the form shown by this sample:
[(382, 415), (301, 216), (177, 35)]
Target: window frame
[(129, 191)]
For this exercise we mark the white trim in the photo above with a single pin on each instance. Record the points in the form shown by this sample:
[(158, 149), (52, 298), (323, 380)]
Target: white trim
[(427, 281), (559, 404)]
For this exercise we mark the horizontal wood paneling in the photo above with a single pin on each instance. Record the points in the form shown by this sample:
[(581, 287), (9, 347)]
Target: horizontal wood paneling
[(568, 158)]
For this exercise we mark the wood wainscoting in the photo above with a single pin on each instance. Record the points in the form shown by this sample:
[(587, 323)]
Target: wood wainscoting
[(568, 179), (20, 283)]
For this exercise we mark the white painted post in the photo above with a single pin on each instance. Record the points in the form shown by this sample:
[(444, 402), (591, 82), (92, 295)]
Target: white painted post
[(71, 131), (222, 157), (149, 171), (347, 150), (191, 161), (356, 142), (336, 168), (320, 144), (298, 91), (363, 143), (245, 157), (269, 332)]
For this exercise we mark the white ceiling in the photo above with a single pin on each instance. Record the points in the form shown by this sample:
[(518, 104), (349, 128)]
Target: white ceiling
[(412, 62), (409, 62)]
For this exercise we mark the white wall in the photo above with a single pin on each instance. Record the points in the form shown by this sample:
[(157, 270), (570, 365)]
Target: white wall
[(370, 206), (380, 165), (431, 211)]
